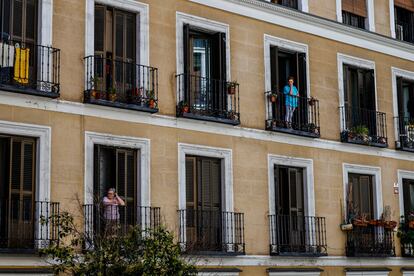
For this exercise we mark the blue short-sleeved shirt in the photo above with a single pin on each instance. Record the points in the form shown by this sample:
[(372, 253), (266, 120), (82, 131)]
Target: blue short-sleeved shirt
[(291, 100)]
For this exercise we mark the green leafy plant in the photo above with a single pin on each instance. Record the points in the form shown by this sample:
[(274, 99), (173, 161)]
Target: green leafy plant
[(137, 252), (360, 130), (406, 230)]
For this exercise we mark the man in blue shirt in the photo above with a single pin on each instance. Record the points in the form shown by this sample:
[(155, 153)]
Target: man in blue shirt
[(291, 100)]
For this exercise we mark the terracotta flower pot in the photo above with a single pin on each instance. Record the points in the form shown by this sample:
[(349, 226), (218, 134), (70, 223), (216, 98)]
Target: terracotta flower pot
[(95, 94), (151, 103), (186, 109), (273, 98), (231, 90)]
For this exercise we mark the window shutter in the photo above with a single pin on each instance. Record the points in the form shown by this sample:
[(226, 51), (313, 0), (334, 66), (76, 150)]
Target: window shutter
[(215, 182), (130, 177), (16, 156), (205, 200), (186, 44), (218, 61), (5, 16), (189, 181), (31, 19), (369, 90), (405, 4), (302, 77), (121, 183), (28, 166), (400, 96), (274, 52), (357, 7), (99, 34)]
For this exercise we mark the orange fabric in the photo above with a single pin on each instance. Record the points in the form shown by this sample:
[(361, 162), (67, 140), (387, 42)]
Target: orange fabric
[(21, 66)]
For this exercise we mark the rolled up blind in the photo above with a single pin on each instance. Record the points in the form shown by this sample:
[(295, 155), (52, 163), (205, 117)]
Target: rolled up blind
[(406, 4), (357, 7)]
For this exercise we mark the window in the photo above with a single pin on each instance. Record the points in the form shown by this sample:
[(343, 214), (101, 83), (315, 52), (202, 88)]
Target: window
[(354, 13), (404, 20), (296, 113), (405, 97), (408, 195), (288, 3), (113, 76), (24, 64), (361, 123), (17, 192), (360, 195), (114, 168), (204, 212), (204, 91)]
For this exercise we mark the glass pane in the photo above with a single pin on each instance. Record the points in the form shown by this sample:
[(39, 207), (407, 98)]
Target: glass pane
[(99, 28), (30, 19), (130, 37), (119, 35), (5, 20), (17, 18)]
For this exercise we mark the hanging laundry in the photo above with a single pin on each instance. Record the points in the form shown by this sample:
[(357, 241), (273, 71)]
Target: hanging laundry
[(21, 65), (6, 55)]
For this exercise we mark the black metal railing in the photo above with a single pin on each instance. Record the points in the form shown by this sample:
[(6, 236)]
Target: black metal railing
[(305, 117), (26, 225), (363, 126), (404, 29), (406, 234), (121, 84), (370, 241), (297, 235), (209, 231), (287, 3), (29, 68), (208, 99), (107, 220), (405, 139)]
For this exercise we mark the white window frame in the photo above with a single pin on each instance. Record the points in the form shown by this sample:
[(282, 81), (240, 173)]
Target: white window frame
[(392, 19), (370, 20), (308, 183), (283, 44), (218, 273), (360, 63), (407, 272), (203, 23), (226, 178), (143, 167), (43, 135), (395, 73), (45, 19), (303, 5), (142, 25), (403, 174), (367, 273), (377, 187)]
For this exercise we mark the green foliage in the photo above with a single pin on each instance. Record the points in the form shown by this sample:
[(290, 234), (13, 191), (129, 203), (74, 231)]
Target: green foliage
[(360, 130), (136, 252), (405, 233)]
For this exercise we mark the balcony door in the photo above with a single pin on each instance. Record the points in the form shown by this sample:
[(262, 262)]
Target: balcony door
[(17, 192), (203, 203), (361, 196), (408, 195), (404, 20), (283, 64), (405, 95), (359, 98), (117, 168), (115, 37), (205, 69), (290, 209), (18, 32)]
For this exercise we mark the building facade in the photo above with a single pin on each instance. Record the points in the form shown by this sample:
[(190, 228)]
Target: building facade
[(183, 106)]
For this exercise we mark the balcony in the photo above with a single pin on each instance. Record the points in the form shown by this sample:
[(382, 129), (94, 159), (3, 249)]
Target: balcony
[(293, 4), (211, 232), (26, 227), (297, 235), (29, 68), (363, 127), (101, 220), (121, 84), (406, 235), (370, 241), (405, 139), (305, 119), (208, 99)]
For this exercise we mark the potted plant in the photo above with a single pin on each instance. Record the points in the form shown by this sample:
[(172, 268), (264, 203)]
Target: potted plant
[(95, 83), (273, 97), (231, 87), (312, 101), (112, 94), (360, 221), (150, 98), (360, 132), (184, 107)]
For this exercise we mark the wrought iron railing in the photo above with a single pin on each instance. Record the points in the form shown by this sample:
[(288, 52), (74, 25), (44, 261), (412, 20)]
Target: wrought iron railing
[(26, 225), (305, 117), (404, 29), (370, 241), (108, 220), (209, 231), (406, 234), (363, 126), (121, 84), (405, 138), (208, 99), (297, 235), (29, 68)]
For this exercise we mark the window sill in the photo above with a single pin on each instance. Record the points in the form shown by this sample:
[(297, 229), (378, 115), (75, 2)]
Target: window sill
[(29, 91), (121, 105), (310, 134), (346, 139), (217, 119)]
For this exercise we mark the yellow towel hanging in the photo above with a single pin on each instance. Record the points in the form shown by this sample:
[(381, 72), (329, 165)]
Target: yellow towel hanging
[(21, 66)]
